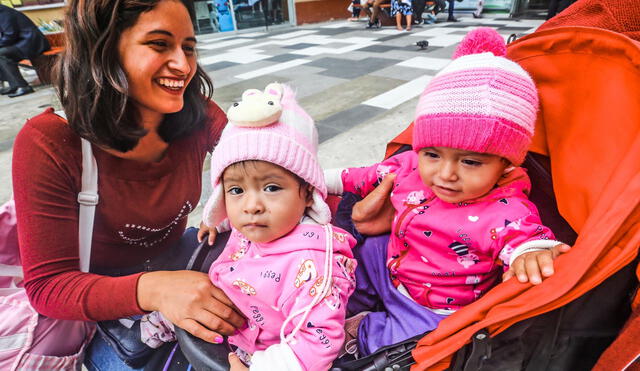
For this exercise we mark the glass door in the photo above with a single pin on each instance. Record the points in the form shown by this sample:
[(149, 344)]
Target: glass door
[(212, 16), (260, 13)]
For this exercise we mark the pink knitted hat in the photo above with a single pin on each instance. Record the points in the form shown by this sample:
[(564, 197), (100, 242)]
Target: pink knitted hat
[(480, 102), (268, 126)]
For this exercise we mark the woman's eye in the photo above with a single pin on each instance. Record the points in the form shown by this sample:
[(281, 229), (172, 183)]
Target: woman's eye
[(158, 43), (472, 162), (272, 188), (235, 191), (189, 50)]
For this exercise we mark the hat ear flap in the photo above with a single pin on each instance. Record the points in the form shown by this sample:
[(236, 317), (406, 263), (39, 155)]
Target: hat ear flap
[(215, 210), (319, 210)]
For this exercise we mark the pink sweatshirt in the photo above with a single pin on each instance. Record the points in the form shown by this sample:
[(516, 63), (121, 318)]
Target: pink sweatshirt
[(270, 281), (446, 255)]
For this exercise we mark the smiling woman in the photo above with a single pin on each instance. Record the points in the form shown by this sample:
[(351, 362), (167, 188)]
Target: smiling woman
[(130, 84)]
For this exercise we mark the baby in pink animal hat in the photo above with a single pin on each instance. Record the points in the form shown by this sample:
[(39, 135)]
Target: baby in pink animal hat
[(284, 266)]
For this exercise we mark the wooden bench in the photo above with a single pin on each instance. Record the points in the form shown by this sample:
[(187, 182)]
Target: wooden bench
[(43, 63)]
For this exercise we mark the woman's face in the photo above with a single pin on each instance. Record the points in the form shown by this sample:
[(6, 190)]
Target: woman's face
[(158, 55)]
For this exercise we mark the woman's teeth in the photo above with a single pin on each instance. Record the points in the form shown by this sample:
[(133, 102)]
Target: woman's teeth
[(171, 84)]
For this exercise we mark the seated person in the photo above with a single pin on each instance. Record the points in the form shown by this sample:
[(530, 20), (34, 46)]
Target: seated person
[(461, 210), (20, 39), (374, 20), (285, 267)]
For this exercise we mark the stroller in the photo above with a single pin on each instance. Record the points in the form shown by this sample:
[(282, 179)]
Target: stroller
[(585, 169)]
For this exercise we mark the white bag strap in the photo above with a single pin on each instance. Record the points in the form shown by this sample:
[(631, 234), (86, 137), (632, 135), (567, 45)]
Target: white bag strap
[(88, 199)]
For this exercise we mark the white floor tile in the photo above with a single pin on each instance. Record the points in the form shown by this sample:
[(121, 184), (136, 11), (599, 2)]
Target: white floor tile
[(289, 35), (445, 40), (221, 44), (276, 67), (426, 63), (400, 94), (242, 57), (435, 31)]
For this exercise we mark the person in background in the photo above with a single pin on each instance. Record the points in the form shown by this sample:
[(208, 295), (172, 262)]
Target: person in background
[(374, 20), (356, 10), (400, 8), (20, 39), (451, 18), (557, 6), (478, 12)]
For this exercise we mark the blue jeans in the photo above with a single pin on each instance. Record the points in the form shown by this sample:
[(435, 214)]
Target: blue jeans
[(99, 355)]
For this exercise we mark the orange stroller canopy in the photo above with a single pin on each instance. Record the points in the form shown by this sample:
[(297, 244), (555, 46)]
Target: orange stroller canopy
[(589, 125)]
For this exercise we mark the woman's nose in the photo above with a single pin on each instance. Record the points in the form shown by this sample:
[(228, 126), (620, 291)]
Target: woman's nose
[(179, 62)]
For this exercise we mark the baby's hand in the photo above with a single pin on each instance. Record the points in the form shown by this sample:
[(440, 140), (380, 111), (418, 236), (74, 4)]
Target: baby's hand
[(236, 364), (204, 230), (529, 266)]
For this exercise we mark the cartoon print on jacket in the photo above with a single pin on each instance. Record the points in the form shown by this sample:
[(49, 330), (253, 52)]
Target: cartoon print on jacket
[(415, 198), (306, 272), (244, 287)]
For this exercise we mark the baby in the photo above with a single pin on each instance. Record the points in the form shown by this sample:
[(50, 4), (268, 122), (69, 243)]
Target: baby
[(461, 210), (285, 267)]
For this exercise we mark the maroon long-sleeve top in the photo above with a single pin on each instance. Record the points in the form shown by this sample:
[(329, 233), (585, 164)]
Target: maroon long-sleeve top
[(142, 211)]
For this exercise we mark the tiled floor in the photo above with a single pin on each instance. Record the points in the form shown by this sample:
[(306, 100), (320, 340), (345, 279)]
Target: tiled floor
[(361, 86)]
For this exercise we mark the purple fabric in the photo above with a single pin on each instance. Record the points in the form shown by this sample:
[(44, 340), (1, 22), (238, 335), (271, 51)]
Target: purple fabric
[(394, 317)]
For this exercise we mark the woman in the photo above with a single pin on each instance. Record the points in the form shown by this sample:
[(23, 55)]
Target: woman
[(130, 84)]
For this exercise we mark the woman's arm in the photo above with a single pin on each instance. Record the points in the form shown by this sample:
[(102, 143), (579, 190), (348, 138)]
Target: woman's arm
[(46, 170), (45, 183)]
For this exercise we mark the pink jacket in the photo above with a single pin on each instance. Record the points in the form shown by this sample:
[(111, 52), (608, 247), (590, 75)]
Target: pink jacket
[(447, 255), (270, 281)]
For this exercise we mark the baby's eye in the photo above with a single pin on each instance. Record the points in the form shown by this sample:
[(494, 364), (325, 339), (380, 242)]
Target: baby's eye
[(272, 188), (235, 191), (236, 104), (431, 154), (472, 162), (270, 103)]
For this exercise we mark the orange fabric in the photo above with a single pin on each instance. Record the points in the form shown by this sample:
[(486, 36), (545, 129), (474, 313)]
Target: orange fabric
[(589, 125), (403, 138), (622, 16), (615, 357)]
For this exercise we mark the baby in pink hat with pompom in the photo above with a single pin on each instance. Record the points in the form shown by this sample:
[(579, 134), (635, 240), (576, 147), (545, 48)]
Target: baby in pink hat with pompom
[(462, 216)]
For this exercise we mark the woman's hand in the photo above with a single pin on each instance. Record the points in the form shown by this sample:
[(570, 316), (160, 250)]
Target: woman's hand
[(204, 230), (374, 214), (236, 364), (190, 301), (535, 265)]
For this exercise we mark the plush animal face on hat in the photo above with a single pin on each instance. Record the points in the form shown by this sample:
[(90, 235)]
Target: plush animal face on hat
[(257, 108), (268, 126)]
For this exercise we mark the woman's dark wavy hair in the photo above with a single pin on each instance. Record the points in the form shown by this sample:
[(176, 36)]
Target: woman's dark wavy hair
[(92, 85)]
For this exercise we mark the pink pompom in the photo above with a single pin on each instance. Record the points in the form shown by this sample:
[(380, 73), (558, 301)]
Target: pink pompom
[(482, 40)]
